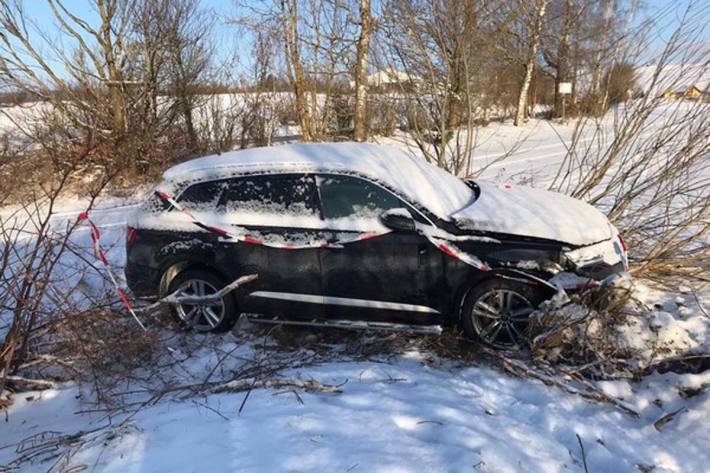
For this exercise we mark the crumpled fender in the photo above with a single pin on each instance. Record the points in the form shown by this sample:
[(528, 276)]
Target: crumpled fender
[(516, 275), (524, 277)]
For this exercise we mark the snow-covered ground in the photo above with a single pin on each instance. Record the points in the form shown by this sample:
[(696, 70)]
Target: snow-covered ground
[(413, 411), (403, 415)]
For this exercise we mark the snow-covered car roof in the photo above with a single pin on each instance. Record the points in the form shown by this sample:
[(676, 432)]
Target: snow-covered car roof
[(421, 182)]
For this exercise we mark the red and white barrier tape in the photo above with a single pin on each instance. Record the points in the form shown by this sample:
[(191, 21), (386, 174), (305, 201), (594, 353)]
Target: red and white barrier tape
[(95, 241), (441, 244), (451, 250), (243, 234)]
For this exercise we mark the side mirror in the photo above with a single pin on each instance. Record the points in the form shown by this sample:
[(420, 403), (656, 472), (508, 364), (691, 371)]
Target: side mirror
[(398, 219)]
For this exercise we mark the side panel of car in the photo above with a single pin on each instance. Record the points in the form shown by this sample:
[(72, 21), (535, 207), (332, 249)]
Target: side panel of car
[(279, 271), (393, 276)]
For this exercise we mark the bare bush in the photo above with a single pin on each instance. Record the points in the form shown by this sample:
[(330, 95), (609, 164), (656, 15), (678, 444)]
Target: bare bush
[(649, 170), (31, 289), (433, 44), (584, 332)]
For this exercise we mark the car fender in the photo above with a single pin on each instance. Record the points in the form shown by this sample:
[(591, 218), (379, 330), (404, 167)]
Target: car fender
[(182, 255), (507, 274)]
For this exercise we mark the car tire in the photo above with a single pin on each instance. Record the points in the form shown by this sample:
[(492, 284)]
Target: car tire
[(496, 311), (212, 317)]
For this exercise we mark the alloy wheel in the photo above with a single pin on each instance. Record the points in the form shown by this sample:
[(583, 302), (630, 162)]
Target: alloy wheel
[(500, 317), (204, 316)]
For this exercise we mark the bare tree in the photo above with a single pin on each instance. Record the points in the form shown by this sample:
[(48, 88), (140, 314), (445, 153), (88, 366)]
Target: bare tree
[(189, 55), (317, 41), (361, 62), (562, 31), (115, 70), (294, 65), (533, 15), (649, 171), (432, 48), (93, 83)]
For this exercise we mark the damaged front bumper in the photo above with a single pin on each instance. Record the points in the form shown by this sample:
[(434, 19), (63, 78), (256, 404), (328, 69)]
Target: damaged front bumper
[(573, 282)]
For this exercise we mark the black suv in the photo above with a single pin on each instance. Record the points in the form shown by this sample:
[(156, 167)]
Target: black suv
[(359, 235)]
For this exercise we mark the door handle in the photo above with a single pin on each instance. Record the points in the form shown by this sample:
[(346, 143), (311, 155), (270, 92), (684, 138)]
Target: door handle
[(422, 251)]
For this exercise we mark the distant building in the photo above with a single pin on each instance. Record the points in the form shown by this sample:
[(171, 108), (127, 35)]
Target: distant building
[(388, 78), (675, 81), (693, 92)]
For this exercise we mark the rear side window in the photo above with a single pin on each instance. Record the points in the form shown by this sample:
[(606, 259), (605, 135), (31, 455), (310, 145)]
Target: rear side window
[(280, 194), (346, 196), (264, 194), (155, 205), (204, 195)]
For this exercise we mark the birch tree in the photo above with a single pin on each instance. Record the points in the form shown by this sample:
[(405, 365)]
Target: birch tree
[(294, 65), (361, 63), (537, 15), (317, 42)]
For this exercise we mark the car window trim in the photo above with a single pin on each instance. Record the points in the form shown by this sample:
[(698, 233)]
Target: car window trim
[(315, 174)]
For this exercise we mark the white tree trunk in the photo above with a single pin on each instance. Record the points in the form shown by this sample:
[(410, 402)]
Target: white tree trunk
[(294, 66), (530, 65), (363, 47)]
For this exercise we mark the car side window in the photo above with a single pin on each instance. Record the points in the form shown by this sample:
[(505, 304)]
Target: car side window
[(290, 195), (260, 199), (347, 196), (203, 195)]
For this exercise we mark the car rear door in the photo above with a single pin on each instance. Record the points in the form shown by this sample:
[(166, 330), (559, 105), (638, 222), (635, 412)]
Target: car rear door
[(394, 276), (277, 211)]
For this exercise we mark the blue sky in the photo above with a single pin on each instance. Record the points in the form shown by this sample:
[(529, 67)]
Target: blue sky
[(231, 40), (227, 36)]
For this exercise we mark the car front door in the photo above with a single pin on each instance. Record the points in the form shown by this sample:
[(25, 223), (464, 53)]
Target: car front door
[(394, 276)]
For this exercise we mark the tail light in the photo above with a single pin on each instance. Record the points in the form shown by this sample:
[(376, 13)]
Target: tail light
[(131, 236)]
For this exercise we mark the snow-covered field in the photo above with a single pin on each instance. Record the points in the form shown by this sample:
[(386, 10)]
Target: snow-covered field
[(403, 415), (413, 411)]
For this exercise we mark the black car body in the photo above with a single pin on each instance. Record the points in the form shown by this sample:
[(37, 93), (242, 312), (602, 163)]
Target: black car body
[(344, 233)]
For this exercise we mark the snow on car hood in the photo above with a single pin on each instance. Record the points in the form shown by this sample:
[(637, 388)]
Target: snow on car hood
[(536, 213)]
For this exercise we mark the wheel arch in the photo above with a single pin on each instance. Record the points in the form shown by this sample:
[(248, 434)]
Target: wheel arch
[(502, 273), (172, 271)]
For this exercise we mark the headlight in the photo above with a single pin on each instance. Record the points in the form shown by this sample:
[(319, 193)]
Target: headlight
[(608, 251)]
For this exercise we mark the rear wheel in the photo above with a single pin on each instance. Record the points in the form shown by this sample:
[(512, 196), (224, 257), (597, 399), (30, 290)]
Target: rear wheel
[(497, 311), (209, 316)]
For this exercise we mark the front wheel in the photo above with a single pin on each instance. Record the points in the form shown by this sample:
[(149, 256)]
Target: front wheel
[(497, 311)]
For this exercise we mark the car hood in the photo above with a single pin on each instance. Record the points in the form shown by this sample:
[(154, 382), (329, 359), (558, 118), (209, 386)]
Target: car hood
[(525, 211)]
